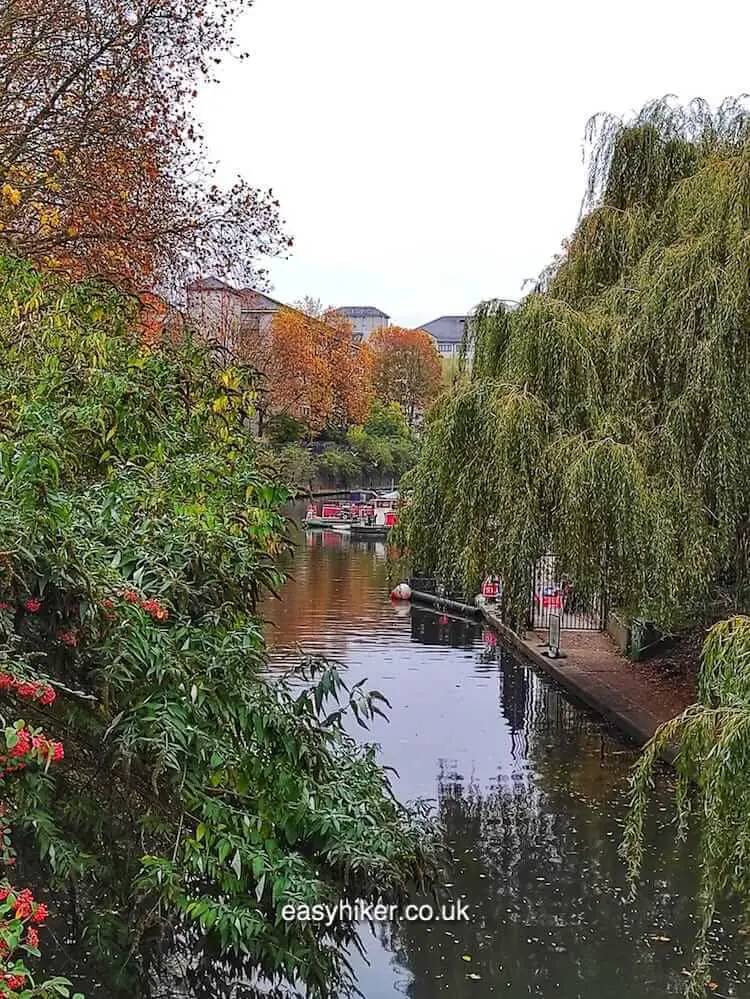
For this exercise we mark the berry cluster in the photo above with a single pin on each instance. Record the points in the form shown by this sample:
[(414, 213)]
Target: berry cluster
[(20, 913), (24, 745), (24, 907), (20, 746), (152, 606), (30, 690)]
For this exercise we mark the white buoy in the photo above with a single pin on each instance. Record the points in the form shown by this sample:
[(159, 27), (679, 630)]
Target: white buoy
[(401, 592)]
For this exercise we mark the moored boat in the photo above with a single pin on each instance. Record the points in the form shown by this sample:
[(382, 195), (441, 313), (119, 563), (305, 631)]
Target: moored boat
[(364, 531), (331, 515), (377, 520), (372, 519)]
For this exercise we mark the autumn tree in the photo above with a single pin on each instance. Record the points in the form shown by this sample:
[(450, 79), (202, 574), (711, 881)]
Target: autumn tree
[(406, 368), (310, 369), (311, 306), (102, 167), (296, 372), (350, 371)]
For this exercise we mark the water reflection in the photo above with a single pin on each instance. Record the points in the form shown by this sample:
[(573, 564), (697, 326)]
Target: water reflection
[(531, 791)]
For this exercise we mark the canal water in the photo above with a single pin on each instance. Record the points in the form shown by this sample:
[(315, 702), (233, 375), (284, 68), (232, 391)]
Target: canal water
[(531, 790)]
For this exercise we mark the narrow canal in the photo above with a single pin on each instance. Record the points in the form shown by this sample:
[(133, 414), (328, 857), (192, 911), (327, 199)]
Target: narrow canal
[(531, 791)]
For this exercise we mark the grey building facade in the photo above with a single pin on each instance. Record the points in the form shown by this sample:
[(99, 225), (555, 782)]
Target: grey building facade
[(448, 333), (365, 319)]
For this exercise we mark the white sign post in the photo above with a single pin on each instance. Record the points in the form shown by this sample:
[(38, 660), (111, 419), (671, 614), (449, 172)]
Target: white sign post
[(553, 637)]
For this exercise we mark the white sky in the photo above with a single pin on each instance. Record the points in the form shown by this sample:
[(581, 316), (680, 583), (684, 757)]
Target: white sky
[(427, 154)]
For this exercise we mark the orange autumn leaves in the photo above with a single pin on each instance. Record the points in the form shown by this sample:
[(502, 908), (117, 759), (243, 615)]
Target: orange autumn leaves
[(102, 166), (406, 368), (315, 372), (312, 369)]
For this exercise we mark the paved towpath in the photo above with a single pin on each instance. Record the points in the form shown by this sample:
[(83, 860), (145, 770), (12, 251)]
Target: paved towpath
[(597, 673)]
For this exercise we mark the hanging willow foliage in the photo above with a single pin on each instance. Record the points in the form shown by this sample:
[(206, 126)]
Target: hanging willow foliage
[(607, 417), (713, 763)]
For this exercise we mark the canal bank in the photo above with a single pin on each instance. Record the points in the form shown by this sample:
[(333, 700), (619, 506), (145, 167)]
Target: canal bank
[(595, 672)]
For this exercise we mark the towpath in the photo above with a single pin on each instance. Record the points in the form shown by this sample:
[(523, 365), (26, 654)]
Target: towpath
[(597, 673)]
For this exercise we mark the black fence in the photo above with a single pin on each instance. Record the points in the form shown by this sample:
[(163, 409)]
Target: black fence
[(553, 593)]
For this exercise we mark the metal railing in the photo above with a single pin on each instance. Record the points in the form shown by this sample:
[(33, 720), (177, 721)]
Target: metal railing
[(552, 593)]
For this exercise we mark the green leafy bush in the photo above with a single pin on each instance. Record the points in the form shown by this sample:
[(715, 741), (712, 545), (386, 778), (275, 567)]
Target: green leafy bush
[(296, 464), (387, 419), (137, 533), (342, 467), (284, 429)]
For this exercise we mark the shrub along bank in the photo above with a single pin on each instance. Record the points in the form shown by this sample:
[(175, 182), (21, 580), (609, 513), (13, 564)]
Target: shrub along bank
[(381, 449), (137, 533)]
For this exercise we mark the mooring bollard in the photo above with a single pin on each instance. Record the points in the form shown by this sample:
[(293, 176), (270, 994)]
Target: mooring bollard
[(553, 638)]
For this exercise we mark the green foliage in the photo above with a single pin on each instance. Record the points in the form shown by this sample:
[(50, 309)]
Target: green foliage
[(296, 464), (196, 791), (341, 467), (284, 429), (712, 744), (607, 417), (387, 420), (384, 446)]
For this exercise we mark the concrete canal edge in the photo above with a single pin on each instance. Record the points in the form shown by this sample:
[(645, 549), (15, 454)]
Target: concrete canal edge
[(602, 680)]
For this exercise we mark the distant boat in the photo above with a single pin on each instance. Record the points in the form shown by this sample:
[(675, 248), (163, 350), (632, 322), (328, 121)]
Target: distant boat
[(364, 531), (373, 519), (331, 515)]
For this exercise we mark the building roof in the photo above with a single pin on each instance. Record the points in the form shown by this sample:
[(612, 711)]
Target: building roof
[(360, 311), (446, 329), (256, 301), (209, 284)]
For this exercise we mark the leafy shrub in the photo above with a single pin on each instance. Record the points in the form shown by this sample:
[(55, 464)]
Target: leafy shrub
[(341, 467), (387, 419), (296, 464), (137, 533), (283, 429)]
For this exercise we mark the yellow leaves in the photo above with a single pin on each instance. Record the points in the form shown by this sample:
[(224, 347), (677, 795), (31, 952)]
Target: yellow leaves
[(18, 173), (10, 194), (49, 218), (220, 404), (72, 230), (59, 155)]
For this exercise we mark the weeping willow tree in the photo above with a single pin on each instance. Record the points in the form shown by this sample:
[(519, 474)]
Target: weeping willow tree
[(607, 417), (712, 738)]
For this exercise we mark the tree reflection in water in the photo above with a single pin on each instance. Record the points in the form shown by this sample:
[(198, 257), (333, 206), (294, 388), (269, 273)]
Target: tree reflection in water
[(535, 854)]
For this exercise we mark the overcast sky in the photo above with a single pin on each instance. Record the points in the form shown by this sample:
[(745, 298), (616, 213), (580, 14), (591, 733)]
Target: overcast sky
[(427, 154)]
